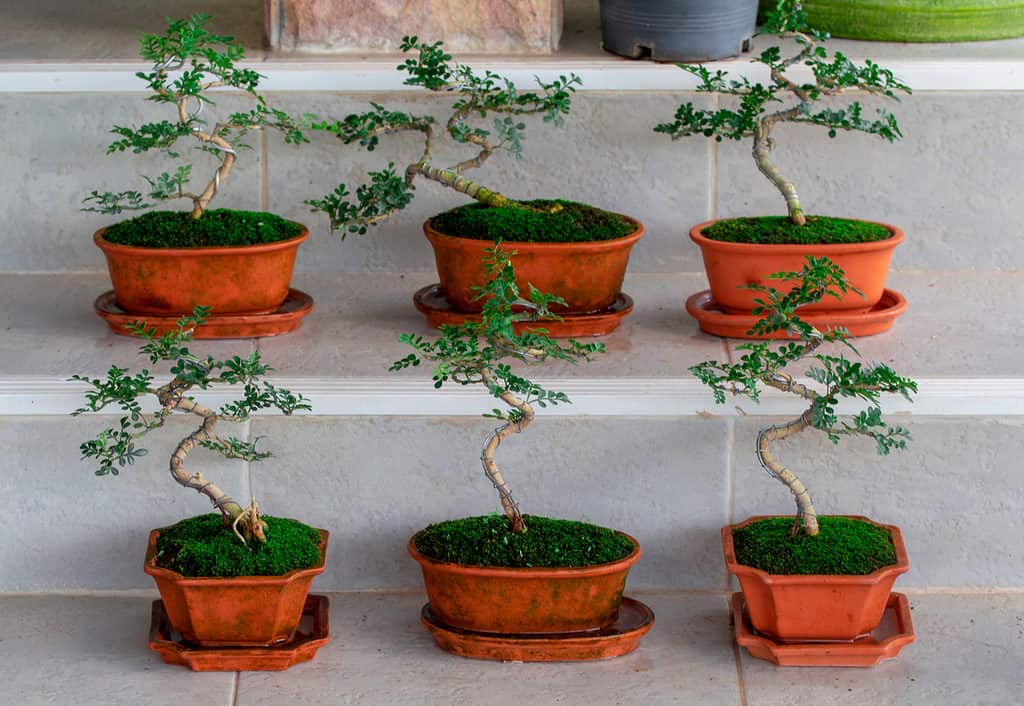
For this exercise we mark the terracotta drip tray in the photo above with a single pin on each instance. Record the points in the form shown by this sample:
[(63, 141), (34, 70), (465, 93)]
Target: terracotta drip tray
[(285, 318), (894, 632), (635, 620), (431, 302), (866, 323), (312, 634)]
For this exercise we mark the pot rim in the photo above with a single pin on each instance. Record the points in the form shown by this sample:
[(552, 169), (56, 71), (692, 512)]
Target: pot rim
[(514, 572), (155, 571), (901, 566), (797, 248), (434, 236), (258, 248)]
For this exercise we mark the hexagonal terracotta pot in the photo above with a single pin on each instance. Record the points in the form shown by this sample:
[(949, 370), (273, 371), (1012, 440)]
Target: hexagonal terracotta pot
[(249, 279), (730, 266), (812, 607), (520, 601), (587, 275), (240, 611)]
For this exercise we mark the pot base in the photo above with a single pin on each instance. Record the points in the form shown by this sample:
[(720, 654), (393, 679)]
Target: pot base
[(719, 323), (432, 303), (312, 634), (284, 319), (894, 632), (635, 620)]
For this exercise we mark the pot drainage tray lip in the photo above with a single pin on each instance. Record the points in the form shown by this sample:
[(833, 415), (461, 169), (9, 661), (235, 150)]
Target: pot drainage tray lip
[(635, 620), (312, 634), (866, 323), (432, 303), (285, 318), (894, 632)]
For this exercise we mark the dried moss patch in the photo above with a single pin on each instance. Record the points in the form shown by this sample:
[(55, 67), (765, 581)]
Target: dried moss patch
[(203, 546), (216, 228), (842, 547), (573, 223), (488, 541), (779, 230)]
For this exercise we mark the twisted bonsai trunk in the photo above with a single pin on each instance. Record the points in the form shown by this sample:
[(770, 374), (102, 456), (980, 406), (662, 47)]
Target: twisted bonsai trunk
[(213, 141), (763, 144), (246, 522), (508, 503), (806, 516)]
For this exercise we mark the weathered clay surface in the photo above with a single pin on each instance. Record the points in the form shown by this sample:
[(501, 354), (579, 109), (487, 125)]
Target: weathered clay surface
[(476, 26)]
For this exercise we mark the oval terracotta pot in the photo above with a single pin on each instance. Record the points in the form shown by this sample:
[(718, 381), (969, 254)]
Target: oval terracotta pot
[(519, 601), (248, 279), (239, 611), (588, 275), (730, 266), (813, 607)]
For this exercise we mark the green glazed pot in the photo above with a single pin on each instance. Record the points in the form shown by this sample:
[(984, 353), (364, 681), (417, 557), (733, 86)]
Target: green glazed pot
[(916, 20)]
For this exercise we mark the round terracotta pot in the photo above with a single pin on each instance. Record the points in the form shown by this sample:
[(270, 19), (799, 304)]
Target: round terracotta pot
[(588, 276), (730, 266), (249, 279), (814, 607), (517, 601), (240, 611)]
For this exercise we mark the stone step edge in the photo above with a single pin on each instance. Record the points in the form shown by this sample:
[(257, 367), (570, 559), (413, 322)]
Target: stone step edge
[(610, 74), (609, 397)]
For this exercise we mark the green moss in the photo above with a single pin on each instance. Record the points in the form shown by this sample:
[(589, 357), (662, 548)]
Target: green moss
[(203, 546), (574, 223), (488, 541), (219, 227), (779, 230), (842, 546)]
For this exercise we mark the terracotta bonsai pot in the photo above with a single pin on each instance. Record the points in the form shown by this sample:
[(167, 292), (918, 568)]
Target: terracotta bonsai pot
[(250, 279), (811, 607), (588, 275), (243, 611), (730, 266), (519, 601)]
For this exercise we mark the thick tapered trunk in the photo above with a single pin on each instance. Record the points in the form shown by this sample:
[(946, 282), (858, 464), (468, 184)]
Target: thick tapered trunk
[(806, 516)]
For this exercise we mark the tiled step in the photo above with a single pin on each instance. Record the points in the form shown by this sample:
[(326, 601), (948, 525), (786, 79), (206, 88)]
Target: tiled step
[(91, 651)]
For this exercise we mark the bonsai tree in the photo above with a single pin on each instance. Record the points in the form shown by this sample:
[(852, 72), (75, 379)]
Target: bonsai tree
[(478, 96), (206, 61), (482, 352), (766, 365), (762, 106), (116, 447)]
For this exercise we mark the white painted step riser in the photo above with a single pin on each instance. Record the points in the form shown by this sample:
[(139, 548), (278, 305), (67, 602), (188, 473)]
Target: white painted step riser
[(373, 481), (642, 397)]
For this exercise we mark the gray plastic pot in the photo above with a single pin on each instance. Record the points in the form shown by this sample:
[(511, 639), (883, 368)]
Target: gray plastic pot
[(678, 30)]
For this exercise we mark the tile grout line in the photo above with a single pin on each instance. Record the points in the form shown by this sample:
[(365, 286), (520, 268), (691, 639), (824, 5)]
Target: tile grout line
[(234, 688), (739, 673), (730, 477), (264, 185), (713, 169)]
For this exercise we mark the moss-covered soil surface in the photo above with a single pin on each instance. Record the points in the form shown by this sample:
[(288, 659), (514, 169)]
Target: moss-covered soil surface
[(204, 546), (572, 223), (216, 228), (843, 546), (488, 541), (779, 230)]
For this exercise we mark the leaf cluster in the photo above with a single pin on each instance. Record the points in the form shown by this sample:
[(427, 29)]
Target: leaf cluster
[(479, 96), (765, 364), (757, 102), (188, 61), (116, 447), (480, 352)]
